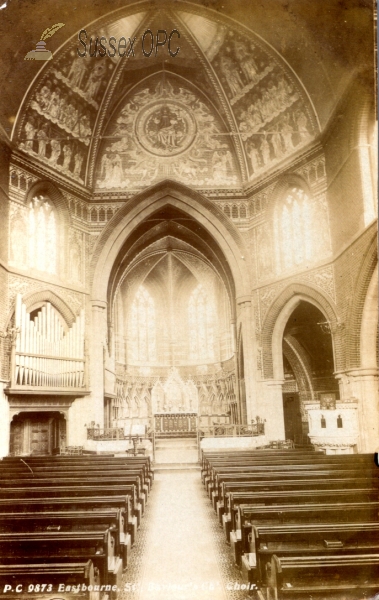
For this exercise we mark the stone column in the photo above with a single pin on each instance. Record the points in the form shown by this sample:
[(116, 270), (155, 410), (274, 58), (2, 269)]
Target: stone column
[(271, 408), (78, 417), (96, 371), (249, 354), (4, 422), (364, 386)]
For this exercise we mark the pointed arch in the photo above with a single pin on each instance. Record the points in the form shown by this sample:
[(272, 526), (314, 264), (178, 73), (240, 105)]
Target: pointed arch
[(354, 319), (226, 239), (34, 299), (276, 320)]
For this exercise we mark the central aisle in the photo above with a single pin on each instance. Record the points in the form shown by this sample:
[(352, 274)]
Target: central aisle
[(181, 553)]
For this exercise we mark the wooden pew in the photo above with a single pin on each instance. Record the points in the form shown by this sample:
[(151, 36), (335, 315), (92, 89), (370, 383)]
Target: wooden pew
[(23, 505), (213, 456), (300, 485), (247, 516), (298, 497), (287, 462), (306, 539), (34, 484), (24, 469), (77, 491), (81, 477), (350, 577), (102, 547), (41, 521), (275, 456), (288, 475), (46, 578)]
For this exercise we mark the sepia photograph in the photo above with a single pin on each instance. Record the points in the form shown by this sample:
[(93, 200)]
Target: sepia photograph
[(189, 404)]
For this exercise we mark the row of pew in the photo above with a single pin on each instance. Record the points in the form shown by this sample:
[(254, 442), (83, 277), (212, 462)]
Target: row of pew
[(301, 525), (68, 523)]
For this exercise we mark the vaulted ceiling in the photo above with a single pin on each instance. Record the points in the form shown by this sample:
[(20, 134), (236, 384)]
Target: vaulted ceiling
[(242, 95)]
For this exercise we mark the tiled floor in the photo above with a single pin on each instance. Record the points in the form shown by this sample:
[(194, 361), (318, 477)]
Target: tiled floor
[(180, 553)]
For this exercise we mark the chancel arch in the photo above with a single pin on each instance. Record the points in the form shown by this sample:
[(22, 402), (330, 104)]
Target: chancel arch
[(170, 275)]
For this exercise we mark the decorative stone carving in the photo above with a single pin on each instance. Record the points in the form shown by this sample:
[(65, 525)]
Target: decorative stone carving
[(174, 395), (21, 285), (265, 254), (18, 235), (76, 255), (322, 278)]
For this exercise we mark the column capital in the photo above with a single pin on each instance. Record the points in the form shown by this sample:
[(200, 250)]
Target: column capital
[(358, 372), (99, 304), (273, 382), (244, 300)]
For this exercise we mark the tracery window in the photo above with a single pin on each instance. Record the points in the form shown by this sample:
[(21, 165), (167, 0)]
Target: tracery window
[(42, 235), (142, 327), (201, 321), (294, 229)]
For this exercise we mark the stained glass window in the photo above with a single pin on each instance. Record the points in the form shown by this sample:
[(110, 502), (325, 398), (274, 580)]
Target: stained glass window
[(201, 321), (293, 230), (142, 328), (42, 235)]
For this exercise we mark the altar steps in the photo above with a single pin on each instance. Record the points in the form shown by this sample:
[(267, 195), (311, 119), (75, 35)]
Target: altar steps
[(176, 454)]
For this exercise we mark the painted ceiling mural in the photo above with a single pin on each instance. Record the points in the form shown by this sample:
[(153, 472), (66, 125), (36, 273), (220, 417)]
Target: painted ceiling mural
[(164, 130), (274, 116), (227, 109)]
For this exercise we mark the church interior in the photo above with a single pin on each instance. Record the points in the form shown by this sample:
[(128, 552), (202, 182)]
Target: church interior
[(188, 265)]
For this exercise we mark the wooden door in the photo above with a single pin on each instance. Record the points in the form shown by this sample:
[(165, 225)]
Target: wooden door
[(40, 437), (17, 438), (292, 418)]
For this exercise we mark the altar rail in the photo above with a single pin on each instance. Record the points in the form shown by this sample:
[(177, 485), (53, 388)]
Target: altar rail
[(107, 433), (232, 430)]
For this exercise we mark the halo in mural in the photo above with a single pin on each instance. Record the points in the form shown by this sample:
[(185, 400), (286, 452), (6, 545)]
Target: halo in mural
[(165, 128)]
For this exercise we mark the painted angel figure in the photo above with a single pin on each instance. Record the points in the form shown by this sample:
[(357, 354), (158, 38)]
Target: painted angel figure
[(78, 160), (253, 154), (77, 72), (94, 80), (43, 96), (30, 130), (265, 151), (42, 137), (55, 150), (67, 153), (231, 74), (248, 65)]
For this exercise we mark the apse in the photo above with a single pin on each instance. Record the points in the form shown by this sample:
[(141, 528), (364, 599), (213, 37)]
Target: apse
[(174, 312)]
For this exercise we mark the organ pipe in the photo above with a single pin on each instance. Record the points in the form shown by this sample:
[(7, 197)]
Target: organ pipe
[(46, 353)]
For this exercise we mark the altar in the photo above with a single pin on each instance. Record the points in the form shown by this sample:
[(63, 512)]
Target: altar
[(175, 423)]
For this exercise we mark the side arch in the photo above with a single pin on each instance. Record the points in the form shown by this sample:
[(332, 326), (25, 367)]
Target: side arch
[(354, 319), (34, 298), (50, 189), (276, 320)]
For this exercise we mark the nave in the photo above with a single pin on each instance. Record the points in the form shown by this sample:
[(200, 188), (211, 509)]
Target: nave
[(279, 524), (181, 553)]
